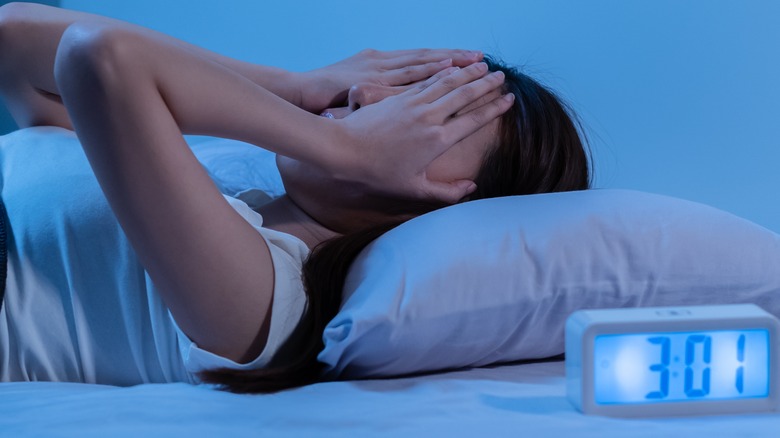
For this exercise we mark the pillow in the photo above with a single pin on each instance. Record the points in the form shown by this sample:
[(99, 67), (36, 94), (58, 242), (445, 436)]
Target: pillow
[(240, 170), (494, 280)]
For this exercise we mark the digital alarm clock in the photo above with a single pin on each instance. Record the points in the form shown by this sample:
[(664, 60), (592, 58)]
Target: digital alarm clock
[(659, 361)]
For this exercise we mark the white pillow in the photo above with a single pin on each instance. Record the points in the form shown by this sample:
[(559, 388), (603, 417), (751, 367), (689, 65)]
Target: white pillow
[(240, 170), (494, 280)]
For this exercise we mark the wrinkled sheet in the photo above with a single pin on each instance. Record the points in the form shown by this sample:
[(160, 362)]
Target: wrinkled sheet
[(510, 400)]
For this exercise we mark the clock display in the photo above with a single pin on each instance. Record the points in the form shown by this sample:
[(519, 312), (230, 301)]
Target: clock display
[(681, 366), (673, 361)]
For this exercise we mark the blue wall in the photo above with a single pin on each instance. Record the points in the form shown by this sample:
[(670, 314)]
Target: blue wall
[(679, 97)]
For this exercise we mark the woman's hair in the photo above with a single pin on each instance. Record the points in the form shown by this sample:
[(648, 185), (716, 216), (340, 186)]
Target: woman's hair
[(539, 150)]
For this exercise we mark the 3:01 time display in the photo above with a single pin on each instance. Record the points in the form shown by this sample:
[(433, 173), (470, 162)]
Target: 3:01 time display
[(681, 366)]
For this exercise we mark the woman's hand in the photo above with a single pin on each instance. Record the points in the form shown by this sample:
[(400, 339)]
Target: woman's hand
[(387, 146), (328, 86)]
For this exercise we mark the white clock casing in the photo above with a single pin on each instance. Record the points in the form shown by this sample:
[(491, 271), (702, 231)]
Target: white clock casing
[(584, 326)]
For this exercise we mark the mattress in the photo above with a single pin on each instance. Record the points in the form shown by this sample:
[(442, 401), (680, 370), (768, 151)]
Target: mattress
[(511, 400)]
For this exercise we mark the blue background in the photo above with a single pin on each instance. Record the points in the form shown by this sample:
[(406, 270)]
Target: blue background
[(678, 97)]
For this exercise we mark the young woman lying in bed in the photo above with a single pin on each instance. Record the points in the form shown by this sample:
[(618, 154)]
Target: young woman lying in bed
[(363, 145)]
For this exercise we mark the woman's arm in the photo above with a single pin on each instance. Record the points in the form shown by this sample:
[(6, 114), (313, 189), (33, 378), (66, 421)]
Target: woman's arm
[(130, 96), (30, 33)]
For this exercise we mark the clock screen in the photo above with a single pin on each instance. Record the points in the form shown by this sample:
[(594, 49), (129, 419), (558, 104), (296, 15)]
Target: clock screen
[(681, 366)]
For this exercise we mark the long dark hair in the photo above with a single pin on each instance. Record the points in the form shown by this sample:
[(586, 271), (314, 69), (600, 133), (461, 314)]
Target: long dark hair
[(540, 149)]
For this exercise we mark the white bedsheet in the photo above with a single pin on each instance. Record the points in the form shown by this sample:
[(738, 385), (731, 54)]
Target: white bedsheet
[(512, 400)]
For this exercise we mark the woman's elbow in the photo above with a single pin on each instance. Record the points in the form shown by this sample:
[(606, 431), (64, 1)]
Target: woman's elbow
[(92, 53)]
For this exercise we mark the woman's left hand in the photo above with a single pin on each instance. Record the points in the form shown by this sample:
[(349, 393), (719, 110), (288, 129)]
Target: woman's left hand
[(388, 146), (329, 86)]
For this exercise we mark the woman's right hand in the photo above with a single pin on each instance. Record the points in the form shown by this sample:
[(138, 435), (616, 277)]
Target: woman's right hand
[(328, 86), (387, 146)]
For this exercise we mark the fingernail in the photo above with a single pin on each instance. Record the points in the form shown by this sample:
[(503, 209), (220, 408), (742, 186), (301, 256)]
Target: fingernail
[(498, 74), (482, 66), (510, 97), (447, 61)]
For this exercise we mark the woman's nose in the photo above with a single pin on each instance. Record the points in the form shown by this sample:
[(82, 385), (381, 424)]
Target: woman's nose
[(365, 94)]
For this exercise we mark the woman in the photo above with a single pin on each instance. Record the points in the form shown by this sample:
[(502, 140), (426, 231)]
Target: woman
[(411, 131)]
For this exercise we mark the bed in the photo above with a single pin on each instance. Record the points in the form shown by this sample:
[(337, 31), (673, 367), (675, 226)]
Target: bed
[(509, 400), (462, 363)]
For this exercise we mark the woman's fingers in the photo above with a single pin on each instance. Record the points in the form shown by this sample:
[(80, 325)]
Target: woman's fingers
[(400, 58), (455, 81), (416, 67), (421, 85), (415, 73), (463, 125), (465, 95), (462, 89)]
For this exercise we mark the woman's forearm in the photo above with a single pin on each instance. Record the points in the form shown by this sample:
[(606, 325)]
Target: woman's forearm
[(29, 37), (206, 97), (207, 93), (30, 34), (278, 81), (283, 83)]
